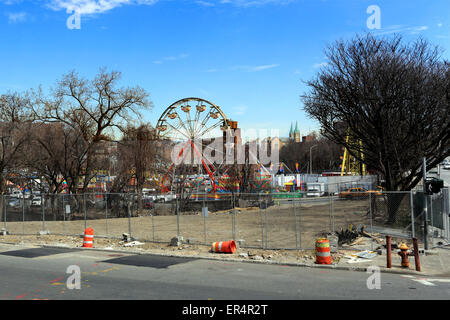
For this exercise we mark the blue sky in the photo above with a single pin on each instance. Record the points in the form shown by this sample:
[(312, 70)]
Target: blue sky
[(249, 57)]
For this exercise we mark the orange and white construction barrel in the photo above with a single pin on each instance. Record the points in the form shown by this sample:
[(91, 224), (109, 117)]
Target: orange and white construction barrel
[(323, 255), (88, 240), (224, 246)]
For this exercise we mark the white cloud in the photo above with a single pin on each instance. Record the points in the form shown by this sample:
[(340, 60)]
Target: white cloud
[(171, 58), (16, 17), (10, 2), (87, 7), (400, 29), (253, 3), (256, 68), (439, 25), (320, 65), (205, 3)]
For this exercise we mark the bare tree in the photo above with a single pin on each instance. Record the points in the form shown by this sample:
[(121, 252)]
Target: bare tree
[(137, 149), (392, 98), (93, 110), (15, 124), (325, 157)]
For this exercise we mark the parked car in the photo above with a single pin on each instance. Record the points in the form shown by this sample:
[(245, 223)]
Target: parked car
[(446, 166), (315, 189), (358, 193), (36, 201), (17, 194), (166, 197), (14, 202)]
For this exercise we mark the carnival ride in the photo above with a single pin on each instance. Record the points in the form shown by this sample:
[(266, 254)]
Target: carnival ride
[(185, 123)]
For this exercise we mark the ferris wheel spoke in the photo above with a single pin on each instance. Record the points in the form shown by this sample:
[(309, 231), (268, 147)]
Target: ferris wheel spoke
[(189, 122), (197, 116), (178, 131), (182, 124), (210, 128), (204, 121)]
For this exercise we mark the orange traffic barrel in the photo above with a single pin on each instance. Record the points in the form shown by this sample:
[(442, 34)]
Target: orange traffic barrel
[(88, 240), (323, 251), (225, 246)]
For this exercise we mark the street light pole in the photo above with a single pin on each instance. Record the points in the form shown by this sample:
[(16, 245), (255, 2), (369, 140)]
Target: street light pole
[(310, 158)]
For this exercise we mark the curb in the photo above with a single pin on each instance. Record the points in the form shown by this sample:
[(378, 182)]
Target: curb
[(231, 259), (226, 258)]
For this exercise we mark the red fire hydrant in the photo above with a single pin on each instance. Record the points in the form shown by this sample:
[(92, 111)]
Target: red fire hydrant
[(404, 255)]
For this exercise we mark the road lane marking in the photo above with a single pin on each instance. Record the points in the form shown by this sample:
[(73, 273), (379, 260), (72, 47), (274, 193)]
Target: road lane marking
[(424, 282)]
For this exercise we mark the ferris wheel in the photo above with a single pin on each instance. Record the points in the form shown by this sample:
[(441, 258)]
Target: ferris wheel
[(188, 120)]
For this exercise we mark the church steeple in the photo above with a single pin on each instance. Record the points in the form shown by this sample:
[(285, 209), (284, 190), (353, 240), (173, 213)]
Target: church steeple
[(296, 133), (291, 133)]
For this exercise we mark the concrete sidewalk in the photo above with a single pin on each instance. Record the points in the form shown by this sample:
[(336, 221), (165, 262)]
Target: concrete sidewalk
[(434, 262)]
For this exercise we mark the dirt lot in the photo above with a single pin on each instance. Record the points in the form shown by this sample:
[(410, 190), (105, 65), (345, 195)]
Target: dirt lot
[(282, 226)]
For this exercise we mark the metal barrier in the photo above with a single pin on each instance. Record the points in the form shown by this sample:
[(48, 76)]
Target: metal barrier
[(255, 220)]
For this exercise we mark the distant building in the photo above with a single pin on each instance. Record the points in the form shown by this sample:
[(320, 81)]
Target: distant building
[(294, 134)]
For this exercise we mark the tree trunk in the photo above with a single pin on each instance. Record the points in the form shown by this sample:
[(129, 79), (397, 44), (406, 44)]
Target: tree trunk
[(394, 201)]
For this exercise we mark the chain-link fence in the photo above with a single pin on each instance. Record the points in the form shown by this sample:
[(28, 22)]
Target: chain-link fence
[(260, 220)]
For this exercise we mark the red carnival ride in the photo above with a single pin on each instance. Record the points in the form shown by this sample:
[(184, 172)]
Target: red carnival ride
[(186, 122)]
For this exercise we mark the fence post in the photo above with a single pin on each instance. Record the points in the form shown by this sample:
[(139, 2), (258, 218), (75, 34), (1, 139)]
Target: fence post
[(4, 211), (416, 254), (43, 213), (411, 201), (106, 213), (64, 214), (300, 222), (129, 218), (204, 205), (153, 222), (178, 217), (331, 213), (371, 218), (85, 213), (267, 225), (23, 214), (388, 252), (262, 223), (296, 231), (233, 223), (431, 221)]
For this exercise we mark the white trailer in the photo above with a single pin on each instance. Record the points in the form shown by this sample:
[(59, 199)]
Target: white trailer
[(315, 189)]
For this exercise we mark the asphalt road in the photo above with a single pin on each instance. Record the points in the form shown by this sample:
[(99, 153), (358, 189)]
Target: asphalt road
[(41, 274)]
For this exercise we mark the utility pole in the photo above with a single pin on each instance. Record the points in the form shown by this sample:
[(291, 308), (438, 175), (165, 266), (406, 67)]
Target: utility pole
[(425, 208)]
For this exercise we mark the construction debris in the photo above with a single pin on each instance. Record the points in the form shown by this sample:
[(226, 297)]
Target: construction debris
[(366, 254), (176, 241), (133, 244), (356, 236), (347, 236), (126, 237)]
